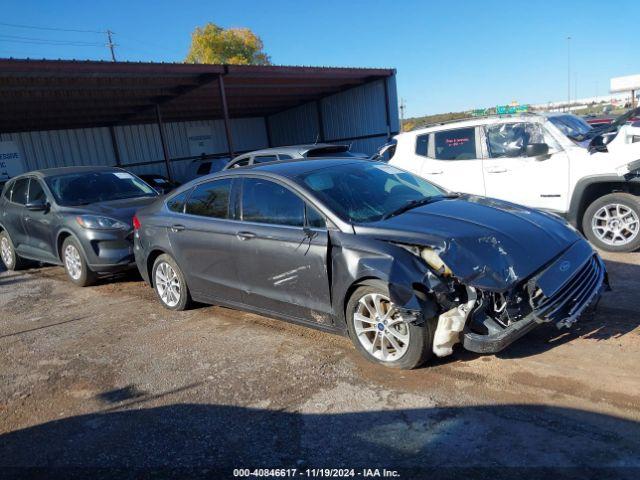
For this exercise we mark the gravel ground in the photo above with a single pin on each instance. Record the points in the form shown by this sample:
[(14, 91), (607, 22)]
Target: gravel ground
[(104, 381)]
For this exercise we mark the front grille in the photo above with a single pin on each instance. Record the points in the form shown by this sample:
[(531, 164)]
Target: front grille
[(565, 305)]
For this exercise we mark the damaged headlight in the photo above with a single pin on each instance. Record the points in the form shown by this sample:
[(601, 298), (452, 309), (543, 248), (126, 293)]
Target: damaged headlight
[(431, 257)]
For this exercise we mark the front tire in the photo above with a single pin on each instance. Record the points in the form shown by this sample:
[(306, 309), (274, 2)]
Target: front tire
[(8, 254), (381, 334), (612, 222), (75, 264), (169, 284)]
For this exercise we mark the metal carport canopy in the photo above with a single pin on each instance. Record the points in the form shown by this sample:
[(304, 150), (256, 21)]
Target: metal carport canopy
[(59, 94)]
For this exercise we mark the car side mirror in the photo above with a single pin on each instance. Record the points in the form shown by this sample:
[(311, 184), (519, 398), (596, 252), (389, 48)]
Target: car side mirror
[(37, 206), (539, 150)]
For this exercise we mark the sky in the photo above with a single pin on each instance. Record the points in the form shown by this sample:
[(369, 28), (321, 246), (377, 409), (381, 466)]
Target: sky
[(449, 55)]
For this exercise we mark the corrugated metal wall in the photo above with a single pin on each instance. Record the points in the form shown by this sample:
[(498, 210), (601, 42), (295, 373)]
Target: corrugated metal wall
[(346, 117), (358, 116)]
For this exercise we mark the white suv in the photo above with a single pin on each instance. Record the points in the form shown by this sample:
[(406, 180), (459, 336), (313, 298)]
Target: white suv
[(555, 162)]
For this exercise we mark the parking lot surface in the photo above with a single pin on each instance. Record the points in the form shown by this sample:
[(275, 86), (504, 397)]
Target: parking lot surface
[(105, 377)]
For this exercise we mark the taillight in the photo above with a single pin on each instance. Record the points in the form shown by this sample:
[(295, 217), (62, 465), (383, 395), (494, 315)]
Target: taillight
[(136, 223)]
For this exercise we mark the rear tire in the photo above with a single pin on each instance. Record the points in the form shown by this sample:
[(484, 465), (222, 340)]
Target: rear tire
[(169, 284), (382, 336), (612, 222), (75, 264), (8, 254)]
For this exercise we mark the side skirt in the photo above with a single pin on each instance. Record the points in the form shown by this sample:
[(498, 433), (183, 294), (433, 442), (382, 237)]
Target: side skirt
[(212, 300)]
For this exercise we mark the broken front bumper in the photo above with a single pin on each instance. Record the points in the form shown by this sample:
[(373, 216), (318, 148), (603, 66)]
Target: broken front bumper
[(560, 294)]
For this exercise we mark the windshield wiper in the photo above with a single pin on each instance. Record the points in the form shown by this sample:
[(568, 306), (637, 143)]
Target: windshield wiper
[(417, 203)]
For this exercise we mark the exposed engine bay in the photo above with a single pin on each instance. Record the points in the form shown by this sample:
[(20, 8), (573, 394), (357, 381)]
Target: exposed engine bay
[(487, 321)]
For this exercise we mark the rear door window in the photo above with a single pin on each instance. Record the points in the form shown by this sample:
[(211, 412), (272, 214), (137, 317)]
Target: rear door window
[(459, 144), (210, 199), (264, 201), (176, 203), (20, 190), (284, 156)]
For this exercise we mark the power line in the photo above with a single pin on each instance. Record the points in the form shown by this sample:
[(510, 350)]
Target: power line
[(21, 39), (33, 27), (67, 43)]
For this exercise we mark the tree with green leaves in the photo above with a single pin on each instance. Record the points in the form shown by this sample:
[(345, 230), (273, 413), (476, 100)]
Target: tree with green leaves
[(234, 46)]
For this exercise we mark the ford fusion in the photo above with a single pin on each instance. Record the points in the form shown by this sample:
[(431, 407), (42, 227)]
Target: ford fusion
[(364, 249), (79, 217)]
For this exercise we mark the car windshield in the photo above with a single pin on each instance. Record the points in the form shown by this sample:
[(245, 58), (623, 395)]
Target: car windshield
[(366, 192), (85, 188), (573, 127)]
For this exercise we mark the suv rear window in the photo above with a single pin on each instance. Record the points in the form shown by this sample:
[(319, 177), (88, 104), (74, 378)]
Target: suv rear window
[(6, 189), (265, 158), (20, 190), (422, 145), (459, 144)]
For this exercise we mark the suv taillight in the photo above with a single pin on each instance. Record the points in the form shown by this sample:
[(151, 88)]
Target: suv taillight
[(136, 223)]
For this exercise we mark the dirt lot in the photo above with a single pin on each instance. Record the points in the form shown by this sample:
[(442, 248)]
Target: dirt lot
[(105, 377)]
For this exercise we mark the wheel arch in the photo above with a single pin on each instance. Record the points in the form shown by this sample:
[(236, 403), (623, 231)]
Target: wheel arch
[(591, 188), (154, 253), (60, 239), (354, 286)]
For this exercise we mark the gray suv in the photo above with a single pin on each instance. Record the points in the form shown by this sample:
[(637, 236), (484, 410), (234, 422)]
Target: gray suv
[(78, 217)]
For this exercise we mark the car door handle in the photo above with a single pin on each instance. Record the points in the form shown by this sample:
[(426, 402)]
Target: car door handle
[(496, 170), (437, 172), (177, 228), (245, 235)]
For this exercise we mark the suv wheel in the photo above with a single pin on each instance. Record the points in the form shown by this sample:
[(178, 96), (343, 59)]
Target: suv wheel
[(8, 254), (75, 264), (612, 222), (381, 334)]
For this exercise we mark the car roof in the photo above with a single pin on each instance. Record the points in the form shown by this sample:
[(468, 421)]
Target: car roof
[(296, 167), (295, 149), (53, 172), (475, 122)]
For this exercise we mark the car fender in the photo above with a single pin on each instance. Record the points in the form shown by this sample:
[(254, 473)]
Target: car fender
[(66, 231), (577, 204), (406, 275)]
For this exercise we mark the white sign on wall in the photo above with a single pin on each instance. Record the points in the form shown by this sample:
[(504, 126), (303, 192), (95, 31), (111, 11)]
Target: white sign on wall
[(11, 163), (200, 141)]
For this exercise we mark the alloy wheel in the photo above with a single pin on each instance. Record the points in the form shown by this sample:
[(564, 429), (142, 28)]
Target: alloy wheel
[(6, 252), (615, 224), (168, 284), (73, 262), (380, 328)]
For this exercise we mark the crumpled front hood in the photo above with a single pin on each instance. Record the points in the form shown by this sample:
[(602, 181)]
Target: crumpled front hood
[(487, 243)]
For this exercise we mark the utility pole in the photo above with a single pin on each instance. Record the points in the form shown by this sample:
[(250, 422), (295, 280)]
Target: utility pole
[(402, 107), (111, 45), (568, 73)]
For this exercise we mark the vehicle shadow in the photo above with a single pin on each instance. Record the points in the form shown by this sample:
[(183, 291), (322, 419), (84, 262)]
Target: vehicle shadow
[(195, 440)]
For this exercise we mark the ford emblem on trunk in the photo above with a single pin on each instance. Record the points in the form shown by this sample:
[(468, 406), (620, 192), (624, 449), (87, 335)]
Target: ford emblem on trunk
[(564, 266)]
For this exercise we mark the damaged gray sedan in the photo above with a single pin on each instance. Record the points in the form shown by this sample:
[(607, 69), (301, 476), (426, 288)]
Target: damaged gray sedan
[(401, 266)]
